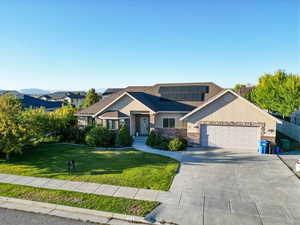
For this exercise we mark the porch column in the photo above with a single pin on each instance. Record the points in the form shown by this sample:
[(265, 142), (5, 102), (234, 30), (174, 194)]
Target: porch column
[(152, 121), (132, 124)]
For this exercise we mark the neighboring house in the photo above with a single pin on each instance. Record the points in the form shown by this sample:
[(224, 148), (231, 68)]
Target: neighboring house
[(74, 98), (108, 92), (245, 89), (32, 102), (295, 117), (203, 113)]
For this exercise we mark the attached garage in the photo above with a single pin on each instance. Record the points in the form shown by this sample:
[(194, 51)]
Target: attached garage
[(229, 121), (229, 136)]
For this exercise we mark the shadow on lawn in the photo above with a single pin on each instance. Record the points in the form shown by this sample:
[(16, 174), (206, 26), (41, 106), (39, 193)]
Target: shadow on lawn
[(51, 160)]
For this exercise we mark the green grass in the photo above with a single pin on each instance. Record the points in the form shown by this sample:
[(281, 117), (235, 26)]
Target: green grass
[(125, 168), (81, 200)]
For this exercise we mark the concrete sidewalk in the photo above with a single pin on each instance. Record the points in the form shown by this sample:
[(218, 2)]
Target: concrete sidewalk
[(139, 144)]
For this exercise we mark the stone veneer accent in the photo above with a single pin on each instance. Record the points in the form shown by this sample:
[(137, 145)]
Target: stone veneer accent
[(169, 133)]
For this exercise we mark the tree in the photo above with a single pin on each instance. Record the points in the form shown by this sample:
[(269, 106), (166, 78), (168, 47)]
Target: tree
[(279, 92), (91, 98), (39, 120), (237, 88), (62, 118), (124, 138), (14, 132)]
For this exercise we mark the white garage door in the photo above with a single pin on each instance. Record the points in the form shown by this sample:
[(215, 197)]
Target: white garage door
[(229, 136)]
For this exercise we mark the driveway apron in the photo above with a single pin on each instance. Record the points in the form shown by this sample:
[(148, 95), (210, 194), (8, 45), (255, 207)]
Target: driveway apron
[(231, 186)]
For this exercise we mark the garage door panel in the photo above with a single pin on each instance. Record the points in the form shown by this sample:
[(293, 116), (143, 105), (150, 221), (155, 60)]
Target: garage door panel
[(229, 136)]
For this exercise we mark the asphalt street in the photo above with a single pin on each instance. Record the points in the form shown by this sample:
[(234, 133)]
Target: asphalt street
[(13, 217)]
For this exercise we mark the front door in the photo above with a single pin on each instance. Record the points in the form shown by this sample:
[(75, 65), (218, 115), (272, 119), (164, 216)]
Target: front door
[(144, 126)]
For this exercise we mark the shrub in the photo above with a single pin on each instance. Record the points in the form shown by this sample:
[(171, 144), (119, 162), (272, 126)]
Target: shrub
[(184, 141), (158, 140), (176, 144), (151, 139), (100, 137), (124, 138), (163, 145)]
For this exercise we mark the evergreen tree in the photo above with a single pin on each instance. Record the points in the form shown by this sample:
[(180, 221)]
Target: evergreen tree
[(91, 98)]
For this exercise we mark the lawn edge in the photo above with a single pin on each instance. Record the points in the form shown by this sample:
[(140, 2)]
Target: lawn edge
[(86, 215)]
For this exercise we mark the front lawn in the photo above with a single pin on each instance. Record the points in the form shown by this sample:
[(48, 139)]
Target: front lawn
[(125, 168), (81, 200)]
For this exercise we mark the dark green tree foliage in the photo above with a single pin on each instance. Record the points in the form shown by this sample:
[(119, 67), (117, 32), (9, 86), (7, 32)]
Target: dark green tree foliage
[(151, 138), (279, 92), (124, 138), (91, 98), (100, 137)]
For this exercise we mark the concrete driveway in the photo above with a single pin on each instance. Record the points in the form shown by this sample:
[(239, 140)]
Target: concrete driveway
[(236, 187)]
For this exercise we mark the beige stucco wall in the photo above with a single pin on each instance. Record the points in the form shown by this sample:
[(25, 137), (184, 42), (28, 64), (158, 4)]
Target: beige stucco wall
[(126, 105), (177, 116), (230, 108)]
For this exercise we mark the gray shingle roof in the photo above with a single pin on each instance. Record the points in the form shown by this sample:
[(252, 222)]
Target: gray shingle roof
[(63, 94), (113, 114), (160, 104), (110, 91), (29, 101), (151, 97)]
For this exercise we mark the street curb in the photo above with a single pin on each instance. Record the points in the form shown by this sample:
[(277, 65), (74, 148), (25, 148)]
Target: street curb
[(86, 215)]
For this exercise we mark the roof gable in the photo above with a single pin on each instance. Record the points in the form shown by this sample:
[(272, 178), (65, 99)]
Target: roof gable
[(235, 94)]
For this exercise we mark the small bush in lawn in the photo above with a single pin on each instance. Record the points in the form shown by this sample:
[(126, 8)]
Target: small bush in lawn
[(158, 140), (124, 138), (163, 146), (74, 135), (100, 137), (176, 144), (184, 141), (151, 139)]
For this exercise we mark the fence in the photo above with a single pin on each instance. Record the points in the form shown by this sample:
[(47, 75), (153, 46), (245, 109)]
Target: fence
[(289, 129)]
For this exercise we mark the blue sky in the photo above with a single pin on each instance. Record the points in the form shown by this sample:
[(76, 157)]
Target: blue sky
[(79, 44)]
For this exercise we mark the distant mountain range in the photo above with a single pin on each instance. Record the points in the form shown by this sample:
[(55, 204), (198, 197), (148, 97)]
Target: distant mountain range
[(34, 91)]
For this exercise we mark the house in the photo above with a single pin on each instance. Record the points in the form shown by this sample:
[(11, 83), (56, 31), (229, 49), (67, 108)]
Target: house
[(74, 98), (295, 117), (203, 113), (108, 92), (32, 102)]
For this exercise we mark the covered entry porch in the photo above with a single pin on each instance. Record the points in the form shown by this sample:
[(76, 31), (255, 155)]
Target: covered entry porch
[(140, 123)]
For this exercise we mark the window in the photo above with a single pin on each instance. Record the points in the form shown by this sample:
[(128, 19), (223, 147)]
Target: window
[(169, 123), (112, 124)]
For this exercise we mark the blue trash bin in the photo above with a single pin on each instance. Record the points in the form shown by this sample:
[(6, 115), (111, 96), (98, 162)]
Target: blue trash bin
[(264, 147), (277, 150)]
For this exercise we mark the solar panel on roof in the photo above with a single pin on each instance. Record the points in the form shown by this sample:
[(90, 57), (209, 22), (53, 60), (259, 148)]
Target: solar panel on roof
[(184, 93)]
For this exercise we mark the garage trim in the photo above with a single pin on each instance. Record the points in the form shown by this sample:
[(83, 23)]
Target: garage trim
[(236, 124)]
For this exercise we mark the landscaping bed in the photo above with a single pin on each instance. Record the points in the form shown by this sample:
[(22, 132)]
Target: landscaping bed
[(80, 200), (124, 168)]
